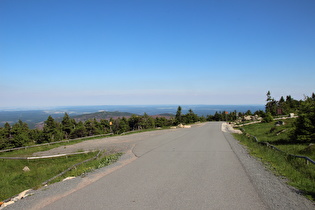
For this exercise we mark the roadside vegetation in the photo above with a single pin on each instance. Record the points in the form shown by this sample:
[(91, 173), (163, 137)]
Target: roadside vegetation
[(15, 180), (293, 136), (20, 135)]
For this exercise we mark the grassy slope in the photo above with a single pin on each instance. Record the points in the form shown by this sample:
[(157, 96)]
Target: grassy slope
[(14, 180), (297, 173)]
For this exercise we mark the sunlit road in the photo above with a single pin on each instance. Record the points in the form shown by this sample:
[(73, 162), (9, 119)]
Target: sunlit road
[(191, 168)]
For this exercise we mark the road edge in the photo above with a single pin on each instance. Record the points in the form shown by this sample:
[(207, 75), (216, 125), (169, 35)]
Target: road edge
[(274, 192)]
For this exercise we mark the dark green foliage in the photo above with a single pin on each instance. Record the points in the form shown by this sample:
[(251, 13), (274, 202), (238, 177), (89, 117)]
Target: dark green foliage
[(120, 126), (260, 113), (248, 112), (79, 131), (267, 118), (147, 122), (224, 116), (92, 127), (134, 122), (305, 123), (51, 131), (67, 125), (162, 122), (304, 126), (190, 117), (54, 130), (15, 136), (281, 107), (178, 116)]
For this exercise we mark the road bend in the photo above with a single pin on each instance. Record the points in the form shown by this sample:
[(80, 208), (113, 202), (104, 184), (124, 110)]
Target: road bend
[(190, 168)]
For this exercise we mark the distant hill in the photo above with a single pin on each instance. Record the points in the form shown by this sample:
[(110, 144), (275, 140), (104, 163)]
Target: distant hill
[(90, 116), (102, 115), (166, 115), (33, 117), (116, 114)]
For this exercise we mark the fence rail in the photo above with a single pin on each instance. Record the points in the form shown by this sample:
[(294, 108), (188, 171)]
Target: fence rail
[(307, 159), (44, 157), (56, 142), (70, 168)]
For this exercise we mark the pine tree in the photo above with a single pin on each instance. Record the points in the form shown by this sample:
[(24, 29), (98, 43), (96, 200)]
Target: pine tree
[(20, 134), (51, 131), (178, 116), (271, 105), (79, 131), (305, 123), (67, 125)]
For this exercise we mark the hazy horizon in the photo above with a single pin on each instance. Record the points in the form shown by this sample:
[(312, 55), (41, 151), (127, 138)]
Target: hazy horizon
[(31, 116), (24, 108)]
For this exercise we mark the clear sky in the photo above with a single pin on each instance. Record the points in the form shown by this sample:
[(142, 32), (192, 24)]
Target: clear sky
[(142, 52)]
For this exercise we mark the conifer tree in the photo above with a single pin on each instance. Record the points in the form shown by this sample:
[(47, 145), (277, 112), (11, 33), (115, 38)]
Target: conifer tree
[(67, 125), (178, 116)]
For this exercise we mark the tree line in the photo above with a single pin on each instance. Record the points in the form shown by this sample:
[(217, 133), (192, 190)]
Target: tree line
[(20, 134), (283, 106), (304, 126)]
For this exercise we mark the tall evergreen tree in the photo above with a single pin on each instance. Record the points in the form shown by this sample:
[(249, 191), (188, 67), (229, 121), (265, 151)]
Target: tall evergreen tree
[(20, 134), (305, 123), (191, 117), (67, 125), (79, 131), (51, 131), (271, 105), (178, 116), (134, 122)]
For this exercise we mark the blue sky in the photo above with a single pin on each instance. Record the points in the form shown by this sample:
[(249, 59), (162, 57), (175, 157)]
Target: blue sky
[(126, 52)]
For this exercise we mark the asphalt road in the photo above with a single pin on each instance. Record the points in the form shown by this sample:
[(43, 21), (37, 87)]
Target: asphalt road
[(193, 168)]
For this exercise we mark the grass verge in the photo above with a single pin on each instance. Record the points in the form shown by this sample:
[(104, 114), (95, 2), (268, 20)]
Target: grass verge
[(296, 172), (14, 180)]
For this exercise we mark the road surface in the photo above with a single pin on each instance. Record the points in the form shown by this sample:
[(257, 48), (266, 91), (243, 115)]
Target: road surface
[(192, 168)]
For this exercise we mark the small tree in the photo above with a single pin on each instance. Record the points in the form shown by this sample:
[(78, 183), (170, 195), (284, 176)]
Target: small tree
[(178, 116), (79, 131), (191, 117), (271, 105), (305, 124), (268, 118), (67, 125)]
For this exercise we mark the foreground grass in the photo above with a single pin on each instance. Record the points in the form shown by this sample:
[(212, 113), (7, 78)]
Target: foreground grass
[(296, 171), (14, 180)]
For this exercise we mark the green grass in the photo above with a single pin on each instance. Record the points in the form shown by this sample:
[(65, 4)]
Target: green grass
[(29, 151), (14, 180), (297, 173), (43, 147)]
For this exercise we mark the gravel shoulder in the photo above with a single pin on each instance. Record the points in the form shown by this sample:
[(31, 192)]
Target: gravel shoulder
[(272, 189)]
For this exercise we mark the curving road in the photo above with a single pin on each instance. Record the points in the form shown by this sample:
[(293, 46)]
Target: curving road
[(193, 168)]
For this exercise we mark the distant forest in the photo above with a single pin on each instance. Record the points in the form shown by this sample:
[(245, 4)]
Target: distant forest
[(19, 134)]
